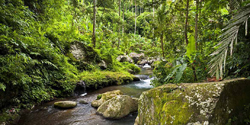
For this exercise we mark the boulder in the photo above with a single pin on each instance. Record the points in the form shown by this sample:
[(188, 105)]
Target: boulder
[(151, 60), (124, 58), (136, 57), (104, 97), (136, 78), (65, 104), (83, 52), (80, 85), (82, 101), (196, 103), (135, 101), (80, 88), (143, 62), (118, 107), (102, 65)]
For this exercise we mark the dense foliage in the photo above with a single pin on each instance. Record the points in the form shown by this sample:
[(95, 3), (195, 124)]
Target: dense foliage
[(35, 37)]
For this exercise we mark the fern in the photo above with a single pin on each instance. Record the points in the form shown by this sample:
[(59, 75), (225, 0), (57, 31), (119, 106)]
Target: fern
[(228, 39), (2, 87)]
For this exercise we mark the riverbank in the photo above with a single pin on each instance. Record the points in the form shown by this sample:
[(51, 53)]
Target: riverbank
[(83, 114), (93, 80), (100, 79)]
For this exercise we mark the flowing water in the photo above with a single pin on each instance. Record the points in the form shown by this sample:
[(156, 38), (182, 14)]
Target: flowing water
[(84, 114)]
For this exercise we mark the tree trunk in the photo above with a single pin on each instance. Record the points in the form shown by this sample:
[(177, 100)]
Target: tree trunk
[(201, 43), (140, 7), (74, 16), (194, 72), (186, 25), (123, 16), (135, 16), (94, 23), (162, 46), (119, 40), (196, 24), (153, 22)]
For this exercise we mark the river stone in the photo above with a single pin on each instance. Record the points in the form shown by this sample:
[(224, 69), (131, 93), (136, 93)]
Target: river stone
[(105, 96), (143, 62), (196, 103), (102, 65), (137, 57), (118, 107), (65, 104), (124, 58), (82, 101)]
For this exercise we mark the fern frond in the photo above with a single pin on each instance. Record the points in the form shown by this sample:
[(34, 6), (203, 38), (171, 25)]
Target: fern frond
[(228, 38)]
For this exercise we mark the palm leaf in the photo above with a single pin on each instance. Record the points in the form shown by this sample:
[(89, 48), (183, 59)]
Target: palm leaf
[(228, 38)]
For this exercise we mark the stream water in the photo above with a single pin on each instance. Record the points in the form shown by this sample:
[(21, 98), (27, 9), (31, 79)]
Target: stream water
[(84, 114)]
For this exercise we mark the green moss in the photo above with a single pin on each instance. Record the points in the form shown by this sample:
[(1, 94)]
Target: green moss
[(101, 79), (174, 110), (195, 103), (99, 96)]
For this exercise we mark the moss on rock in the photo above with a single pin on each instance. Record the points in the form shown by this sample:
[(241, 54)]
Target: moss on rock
[(65, 104), (118, 107), (105, 97), (204, 103), (101, 79)]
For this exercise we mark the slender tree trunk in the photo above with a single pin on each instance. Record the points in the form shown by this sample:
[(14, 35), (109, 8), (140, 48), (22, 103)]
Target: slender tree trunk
[(153, 22), (123, 11), (140, 7), (135, 16), (119, 40), (94, 23), (201, 43), (186, 25), (194, 72), (162, 45), (74, 16), (132, 6), (196, 24)]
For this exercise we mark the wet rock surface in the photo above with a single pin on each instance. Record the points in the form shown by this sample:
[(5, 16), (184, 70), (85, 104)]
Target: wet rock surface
[(137, 57), (82, 101), (65, 104), (105, 97), (118, 107), (203, 103)]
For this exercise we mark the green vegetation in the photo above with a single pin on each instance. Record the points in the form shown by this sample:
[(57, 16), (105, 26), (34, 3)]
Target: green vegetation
[(101, 79), (186, 38)]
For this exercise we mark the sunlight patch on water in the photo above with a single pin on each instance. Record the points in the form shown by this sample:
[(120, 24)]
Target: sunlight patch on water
[(143, 84)]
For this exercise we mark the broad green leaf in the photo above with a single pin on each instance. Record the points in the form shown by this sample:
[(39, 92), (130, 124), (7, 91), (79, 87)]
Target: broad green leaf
[(224, 11)]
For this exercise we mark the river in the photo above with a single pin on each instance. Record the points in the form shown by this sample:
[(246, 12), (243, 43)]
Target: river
[(84, 114)]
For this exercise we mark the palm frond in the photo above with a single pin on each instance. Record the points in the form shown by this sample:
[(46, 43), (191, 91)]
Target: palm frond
[(228, 39)]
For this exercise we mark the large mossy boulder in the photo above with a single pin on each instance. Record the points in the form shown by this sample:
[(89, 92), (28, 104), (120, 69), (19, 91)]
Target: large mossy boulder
[(124, 58), (215, 103), (65, 104), (83, 52), (137, 57), (118, 107), (104, 97)]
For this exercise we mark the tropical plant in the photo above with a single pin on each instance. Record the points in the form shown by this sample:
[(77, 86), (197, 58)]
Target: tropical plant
[(228, 39)]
